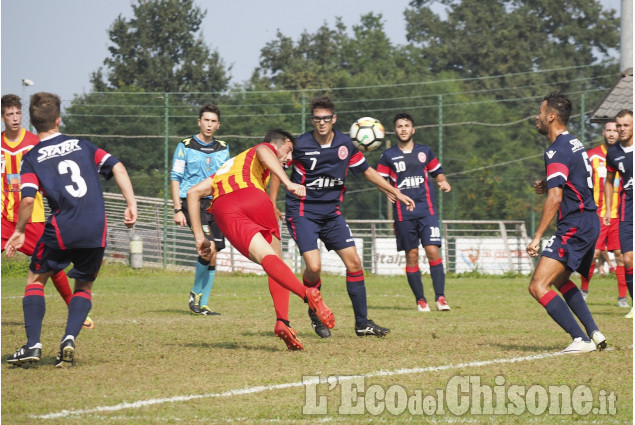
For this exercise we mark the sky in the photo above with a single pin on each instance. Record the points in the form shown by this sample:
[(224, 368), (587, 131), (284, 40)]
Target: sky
[(57, 44)]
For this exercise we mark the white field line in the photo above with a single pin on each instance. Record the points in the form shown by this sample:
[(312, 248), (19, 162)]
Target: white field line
[(259, 389)]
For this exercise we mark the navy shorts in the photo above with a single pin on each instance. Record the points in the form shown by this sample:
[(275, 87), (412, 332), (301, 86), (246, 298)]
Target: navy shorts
[(423, 230), (626, 236), (333, 231), (210, 228), (574, 241), (86, 261)]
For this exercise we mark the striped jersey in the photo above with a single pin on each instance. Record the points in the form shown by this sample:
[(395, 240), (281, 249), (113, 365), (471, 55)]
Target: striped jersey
[(597, 158), (66, 171), (567, 166), (410, 172), (620, 159), (322, 169), (12, 153), (240, 172)]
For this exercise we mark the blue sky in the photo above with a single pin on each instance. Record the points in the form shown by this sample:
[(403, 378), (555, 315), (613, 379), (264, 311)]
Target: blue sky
[(58, 43)]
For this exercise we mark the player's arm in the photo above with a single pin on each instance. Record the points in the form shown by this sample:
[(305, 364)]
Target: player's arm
[(194, 195), (179, 164), (609, 187), (125, 185), (393, 193), (179, 216), (549, 210), (16, 240), (271, 161), (443, 183), (274, 188)]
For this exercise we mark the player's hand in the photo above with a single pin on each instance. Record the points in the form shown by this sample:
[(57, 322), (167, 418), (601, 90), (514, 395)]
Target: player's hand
[(297, 189), (407, 201), (607, 219), (444, 186), (278, 213), (533, 248), (179, 218), (204, 247), (130, 216), (14, 243), (540, 186)]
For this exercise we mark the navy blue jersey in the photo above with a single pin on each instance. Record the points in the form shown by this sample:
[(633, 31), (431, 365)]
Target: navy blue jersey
[(620, 159), (322, 169), (66, 171), (567, 165), (410, 173), (194, 161)]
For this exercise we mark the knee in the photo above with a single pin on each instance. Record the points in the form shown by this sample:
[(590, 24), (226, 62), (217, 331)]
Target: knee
[(538, 289), (313, 269)]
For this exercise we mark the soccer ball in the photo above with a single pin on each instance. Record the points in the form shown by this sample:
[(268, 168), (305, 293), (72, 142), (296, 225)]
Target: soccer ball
[(367, 133)]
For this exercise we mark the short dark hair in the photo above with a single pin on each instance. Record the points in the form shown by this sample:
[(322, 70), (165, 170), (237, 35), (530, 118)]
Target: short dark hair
[(44, 110), (403, 116), (278, 136), (210, 107), (323, 102), (623, 113), (9, 100), (560, 104)]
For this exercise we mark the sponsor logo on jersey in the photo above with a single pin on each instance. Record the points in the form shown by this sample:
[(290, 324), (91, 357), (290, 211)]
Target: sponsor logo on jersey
[(550, 154), (324, 182), (629, 184), (342, 152), (61, 149), (422, 157), (411, 182), (576, 145), (312, 153)]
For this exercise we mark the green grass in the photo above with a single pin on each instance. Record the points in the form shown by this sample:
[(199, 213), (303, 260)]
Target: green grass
[(146, 346)]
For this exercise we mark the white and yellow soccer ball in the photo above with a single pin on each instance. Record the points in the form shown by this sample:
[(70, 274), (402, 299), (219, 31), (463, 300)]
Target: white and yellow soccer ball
[(367, 133)]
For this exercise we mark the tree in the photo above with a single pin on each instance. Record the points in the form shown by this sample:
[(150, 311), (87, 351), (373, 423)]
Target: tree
[(161, 50)]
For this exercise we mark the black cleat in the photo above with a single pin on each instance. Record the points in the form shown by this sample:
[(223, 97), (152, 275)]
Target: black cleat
[(370, 328), (195, 303), (206, 311), (319, 327), (26, 355), (66, 356)]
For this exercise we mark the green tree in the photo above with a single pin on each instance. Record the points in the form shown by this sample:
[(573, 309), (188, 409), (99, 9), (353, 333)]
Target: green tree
[(161, 49)]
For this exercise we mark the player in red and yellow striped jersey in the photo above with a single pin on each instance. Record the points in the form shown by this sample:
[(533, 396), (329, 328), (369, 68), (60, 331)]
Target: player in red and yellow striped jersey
[(245, 215), (16, 142), (609, 235)]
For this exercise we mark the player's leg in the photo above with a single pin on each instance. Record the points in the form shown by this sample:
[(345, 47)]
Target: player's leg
[(213, 233), (407, 239), (430, 236), (200, 268), (626, 245), (552, 272), (622, 289), (584, 282)]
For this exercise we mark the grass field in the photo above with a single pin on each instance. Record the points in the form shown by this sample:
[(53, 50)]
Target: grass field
[(148, 361)]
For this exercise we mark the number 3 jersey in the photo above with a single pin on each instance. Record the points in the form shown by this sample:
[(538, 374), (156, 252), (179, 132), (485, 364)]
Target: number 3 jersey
[(322, 169), (66, 171), (567, 166), (409, 172)]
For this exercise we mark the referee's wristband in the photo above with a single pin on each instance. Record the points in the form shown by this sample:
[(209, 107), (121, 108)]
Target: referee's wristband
[(178, 211)]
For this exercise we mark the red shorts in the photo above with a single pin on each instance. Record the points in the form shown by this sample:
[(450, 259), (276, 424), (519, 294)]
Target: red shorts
[(609, 236), (32, 234), (242, 214)]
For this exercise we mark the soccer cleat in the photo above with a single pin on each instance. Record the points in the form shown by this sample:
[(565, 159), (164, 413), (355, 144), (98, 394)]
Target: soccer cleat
[(323, 313), (66, 356), (629, 315), (622, 302), (206, 311), (26, 355), (599, 340), (370, 328), (585, 294), (319, 327), (195, 303), (442, 304), (422, 305), (288, 335), (579, 346), (88, 323)]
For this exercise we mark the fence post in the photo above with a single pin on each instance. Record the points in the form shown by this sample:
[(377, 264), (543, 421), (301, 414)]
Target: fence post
[(440, 154), (582, 118), (165, 178)]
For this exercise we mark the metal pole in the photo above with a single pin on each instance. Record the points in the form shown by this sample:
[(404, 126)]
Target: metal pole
[(303, 122), (582, 119), (440, 154), (165, 178)]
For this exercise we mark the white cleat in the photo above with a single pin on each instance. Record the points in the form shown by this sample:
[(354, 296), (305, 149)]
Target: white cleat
[(579, 346), (623, 303), (599, 340), (422, 306), (442, 304), (629, 315)]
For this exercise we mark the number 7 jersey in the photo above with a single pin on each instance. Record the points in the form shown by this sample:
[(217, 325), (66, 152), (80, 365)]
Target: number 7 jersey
[(66, 171)]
